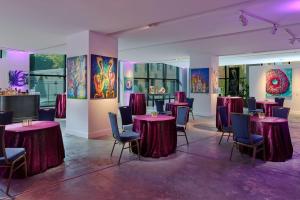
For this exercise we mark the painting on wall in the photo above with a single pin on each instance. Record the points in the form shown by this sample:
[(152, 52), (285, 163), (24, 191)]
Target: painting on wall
[(279, 82), (200, 80), (18, 79), (76, 77), (103, 77), (234, 81), (215, 81), (128, 82)]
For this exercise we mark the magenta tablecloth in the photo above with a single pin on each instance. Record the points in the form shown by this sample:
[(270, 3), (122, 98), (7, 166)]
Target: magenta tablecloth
[(43, 144), (180, 96), (233, 104), (267, 106), (60, 106), (277, 137), (158, 135), (137, 102)]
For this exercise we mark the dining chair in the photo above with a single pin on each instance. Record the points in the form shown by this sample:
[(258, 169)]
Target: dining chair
[(46, 114), (125, 137), (160, 107), (181, 121), (280, 101), (12, 158), (243, 137), (126, 117), (190, 102), (225, 128), (252, 106), (6, 117), (280, 112)]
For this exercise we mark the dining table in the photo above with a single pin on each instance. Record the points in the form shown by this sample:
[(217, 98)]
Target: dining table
[(43, 144), (158, 135), (180, 96), (137, 102), (267, 107), (60, 106)]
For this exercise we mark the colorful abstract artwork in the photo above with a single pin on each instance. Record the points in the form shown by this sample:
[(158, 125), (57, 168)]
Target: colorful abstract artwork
[(18, 79), (200, 80), (279, 82), (215, 81), (103, 77), (76, 77), (128, 82)]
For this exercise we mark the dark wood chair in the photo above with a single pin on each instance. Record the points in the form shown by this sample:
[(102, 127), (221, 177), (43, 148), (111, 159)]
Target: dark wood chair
[(6, 117)]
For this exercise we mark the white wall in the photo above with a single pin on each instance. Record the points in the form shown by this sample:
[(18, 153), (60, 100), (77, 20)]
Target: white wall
[(257, 84)]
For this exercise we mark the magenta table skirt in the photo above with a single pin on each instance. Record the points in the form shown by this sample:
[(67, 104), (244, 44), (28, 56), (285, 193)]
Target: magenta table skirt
[(137, 102), (233, 104), (43, 144), (276, 135), (267, 107), (158, 135), (60, 106), (180, 96)]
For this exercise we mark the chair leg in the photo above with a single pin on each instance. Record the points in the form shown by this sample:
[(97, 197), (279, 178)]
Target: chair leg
[(113, 148), (138, 149), (264, 150), (193, 115), (130, 147), (25, 166), (231, 151), (9, 178), (221, 138), (254, 156), (121, 154), (186, 138), (228, 137)]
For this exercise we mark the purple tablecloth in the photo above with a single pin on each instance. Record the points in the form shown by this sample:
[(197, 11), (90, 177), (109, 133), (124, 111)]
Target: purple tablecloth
[(277, 137), (233, 104), (267, 106), (60, 106), (137, 102), (158, 135), (180, 96), (43, 144)]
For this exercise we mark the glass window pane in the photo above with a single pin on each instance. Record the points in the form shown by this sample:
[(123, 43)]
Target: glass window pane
[(140, 85), (222, 86), (156, 70), (171, 87), (140, 70), (171, 72), (47, 64), (222, 72)]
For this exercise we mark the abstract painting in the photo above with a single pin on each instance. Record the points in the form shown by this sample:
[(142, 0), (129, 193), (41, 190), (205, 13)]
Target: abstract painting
[(200, 80), (215, 81), (128, 82), (76, 77), (18, 79), (103, 77), (279, 82)]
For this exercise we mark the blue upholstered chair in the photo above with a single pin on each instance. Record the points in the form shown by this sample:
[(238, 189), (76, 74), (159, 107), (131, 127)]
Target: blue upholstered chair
[(243, 137), (190, 101), (280, 101), (126, 117), (181, 121), (225, 128), (125, 137), (160, 107), (12, 158), (252, 106), (6, 117), (46, 114), (281, 112)]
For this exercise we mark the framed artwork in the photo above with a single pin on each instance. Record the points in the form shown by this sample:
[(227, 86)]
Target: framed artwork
[(103, 77), (215, 81), (279, 82), (200, 80), (76, 77), (234, 81), (18, 79), (128, 82)]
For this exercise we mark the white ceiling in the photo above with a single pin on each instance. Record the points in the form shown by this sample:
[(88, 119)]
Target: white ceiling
[(210, 27)]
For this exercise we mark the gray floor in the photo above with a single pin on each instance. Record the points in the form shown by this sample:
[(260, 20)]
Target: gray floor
[(201, 170)]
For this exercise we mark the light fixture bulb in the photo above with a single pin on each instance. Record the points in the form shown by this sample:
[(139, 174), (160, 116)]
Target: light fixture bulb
[(243, 19), (274, 29)]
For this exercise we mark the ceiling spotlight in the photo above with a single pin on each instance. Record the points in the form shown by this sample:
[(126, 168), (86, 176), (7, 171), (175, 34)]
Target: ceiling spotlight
[(293, 40), (274, 29), (243, 19)]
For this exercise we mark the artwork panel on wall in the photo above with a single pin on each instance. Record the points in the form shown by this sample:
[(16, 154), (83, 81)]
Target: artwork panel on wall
[(215, 81), (18, 79), (128, 82), (77, 77), (200, 80), (279, 82), (103, 77)]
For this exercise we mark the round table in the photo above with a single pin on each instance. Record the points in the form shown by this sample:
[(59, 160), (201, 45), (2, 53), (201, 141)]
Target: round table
[(60, 106), (233, 104), (180, 96), (158, 135), (173, 107), (267, 106), (277, 137), (137, 102), (43, 144)]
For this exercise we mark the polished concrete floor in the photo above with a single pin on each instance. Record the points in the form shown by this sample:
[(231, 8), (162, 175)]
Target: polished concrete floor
[(201, 170)]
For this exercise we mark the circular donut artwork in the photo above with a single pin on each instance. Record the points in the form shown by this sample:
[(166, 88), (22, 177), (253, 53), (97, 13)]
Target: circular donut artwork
[(278, 82)]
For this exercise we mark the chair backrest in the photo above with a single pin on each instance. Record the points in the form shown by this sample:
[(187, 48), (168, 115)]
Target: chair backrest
[(2, 141), (280, 101), (182, 115), (114, 125), (251, 104), (223, 115), (281, 112), (6, 117), (240, 126), (126, 115), (159, 105), (46, 114), (190, 101)]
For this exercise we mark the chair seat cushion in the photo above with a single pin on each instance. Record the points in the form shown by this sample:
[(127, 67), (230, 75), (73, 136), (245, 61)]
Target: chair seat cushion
[(180, 128), (12, 154), (128, 136), (255, 139), (128, 127)]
